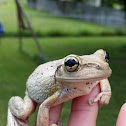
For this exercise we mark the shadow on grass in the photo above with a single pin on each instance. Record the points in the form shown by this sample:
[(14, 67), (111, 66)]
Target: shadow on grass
[(35, 57)]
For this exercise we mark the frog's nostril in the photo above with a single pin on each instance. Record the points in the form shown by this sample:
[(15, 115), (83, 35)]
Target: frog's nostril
[(98, 67)]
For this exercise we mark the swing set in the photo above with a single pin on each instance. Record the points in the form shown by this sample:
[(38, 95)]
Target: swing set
[(24, 24)]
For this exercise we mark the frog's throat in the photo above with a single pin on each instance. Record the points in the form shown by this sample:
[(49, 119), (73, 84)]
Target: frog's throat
[(79, 79)]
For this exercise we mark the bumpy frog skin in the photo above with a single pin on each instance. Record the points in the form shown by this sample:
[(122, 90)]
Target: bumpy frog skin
[(58, 81)]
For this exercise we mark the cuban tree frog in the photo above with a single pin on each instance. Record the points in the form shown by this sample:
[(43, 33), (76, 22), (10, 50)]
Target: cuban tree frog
[(58, 81)]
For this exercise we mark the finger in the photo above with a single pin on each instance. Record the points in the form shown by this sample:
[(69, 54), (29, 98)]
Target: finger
[(54, 113), (121, 121), (83, 114)]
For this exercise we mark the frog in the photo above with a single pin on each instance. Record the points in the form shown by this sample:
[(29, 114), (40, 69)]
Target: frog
[(58, 81)]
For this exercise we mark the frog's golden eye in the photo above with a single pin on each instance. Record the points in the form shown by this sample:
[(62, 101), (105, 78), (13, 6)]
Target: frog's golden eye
[(107, 57), (71, 64)]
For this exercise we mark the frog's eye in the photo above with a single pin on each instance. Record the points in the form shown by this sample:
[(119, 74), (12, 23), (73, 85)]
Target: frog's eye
[(71, 64), (107, 57)]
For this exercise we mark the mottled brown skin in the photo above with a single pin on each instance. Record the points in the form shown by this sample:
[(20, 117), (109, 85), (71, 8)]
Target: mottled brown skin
[(55, 82)]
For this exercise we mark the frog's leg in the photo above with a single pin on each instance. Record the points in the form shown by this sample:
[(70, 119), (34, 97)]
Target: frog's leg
[(105, 94), (43, 113), (19, 110)]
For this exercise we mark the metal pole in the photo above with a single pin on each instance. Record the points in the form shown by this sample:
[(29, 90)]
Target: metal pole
[(19, 27), (30, 28)]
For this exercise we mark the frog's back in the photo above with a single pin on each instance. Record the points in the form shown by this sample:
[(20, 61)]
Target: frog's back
[(42, 81)]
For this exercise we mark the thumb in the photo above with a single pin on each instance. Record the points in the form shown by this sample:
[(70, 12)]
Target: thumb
[(83, 114), (121, 121)]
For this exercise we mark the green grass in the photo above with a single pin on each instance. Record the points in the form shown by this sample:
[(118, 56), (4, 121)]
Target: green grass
[(45, 24), (15, 68)]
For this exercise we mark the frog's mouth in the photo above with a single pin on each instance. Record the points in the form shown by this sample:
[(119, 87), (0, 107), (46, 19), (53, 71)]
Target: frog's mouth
[(79, 79)]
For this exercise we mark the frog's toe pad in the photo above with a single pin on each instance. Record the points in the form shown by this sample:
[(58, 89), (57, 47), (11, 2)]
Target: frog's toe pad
[(54, 125), (59, 123), (91, 101)]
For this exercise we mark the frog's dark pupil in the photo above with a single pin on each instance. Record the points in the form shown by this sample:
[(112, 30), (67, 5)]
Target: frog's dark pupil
[(107, 56), (70, 62)]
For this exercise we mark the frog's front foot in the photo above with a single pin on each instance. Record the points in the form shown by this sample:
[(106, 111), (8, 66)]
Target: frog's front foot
[(102, 97), (43, 112), (105, 94)]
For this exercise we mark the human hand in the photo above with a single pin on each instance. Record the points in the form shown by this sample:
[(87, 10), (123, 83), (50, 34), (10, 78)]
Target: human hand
[(121, 120), (81, 112)]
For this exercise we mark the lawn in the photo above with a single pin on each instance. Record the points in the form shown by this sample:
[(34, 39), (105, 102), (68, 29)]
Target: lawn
[(15, 68), (46, 24)]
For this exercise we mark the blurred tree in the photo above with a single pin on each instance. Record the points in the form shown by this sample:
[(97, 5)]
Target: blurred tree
[(83, 1), (123, 3), (111, 3)]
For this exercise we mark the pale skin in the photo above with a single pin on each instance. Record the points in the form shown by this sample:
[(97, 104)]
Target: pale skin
[(121, 120), (58, 81)]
